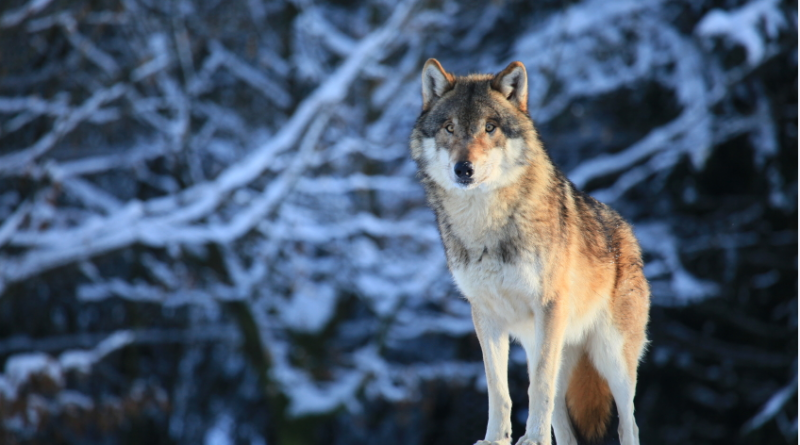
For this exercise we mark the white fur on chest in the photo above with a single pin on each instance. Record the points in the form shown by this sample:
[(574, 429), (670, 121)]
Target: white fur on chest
[(511, 295), (509, 290)]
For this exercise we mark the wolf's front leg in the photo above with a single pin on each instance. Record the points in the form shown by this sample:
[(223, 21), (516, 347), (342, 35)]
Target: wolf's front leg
[(544, 353), (494, 344)]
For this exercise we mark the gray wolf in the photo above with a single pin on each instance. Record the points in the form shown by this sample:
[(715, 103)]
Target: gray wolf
[(536, 258)]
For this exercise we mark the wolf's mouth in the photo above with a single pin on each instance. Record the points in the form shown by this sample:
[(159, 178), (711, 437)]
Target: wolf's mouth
[(466, 183)]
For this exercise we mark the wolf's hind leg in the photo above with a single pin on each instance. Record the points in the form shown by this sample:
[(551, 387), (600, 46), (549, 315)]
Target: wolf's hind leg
[(610, 352), (561, 423)]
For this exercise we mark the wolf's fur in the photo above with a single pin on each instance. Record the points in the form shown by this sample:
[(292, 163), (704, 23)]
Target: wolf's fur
[(536, 258)]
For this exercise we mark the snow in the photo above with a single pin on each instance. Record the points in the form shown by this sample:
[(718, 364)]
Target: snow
[(220, 432), (73, 398), (7, 390), (310, 308), (743, 26), (685, 288), (309, 398), (21, 368)]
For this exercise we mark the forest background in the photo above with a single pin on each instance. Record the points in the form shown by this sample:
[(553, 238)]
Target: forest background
[(211, 231)]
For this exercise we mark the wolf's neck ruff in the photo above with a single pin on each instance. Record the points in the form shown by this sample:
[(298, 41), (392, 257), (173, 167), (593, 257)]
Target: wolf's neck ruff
[(484, 222)]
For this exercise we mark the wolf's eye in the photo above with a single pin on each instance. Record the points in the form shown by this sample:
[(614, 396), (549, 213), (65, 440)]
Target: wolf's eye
[(490, 128), (450, 128)]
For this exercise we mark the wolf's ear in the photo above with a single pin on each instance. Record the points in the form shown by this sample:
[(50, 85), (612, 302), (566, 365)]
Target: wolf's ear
[(512, 83), (435, 82)]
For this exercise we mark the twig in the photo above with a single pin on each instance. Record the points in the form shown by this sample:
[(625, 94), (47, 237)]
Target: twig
[(15, 17), (87, 47), (252, 76), (772, 407), (11, 223), (15, 163), (91, 195)]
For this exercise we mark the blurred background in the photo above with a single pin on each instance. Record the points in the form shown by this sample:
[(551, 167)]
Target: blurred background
[(211, 232)]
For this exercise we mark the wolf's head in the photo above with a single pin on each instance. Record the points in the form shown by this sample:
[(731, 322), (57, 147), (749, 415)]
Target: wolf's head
[(474, 131)]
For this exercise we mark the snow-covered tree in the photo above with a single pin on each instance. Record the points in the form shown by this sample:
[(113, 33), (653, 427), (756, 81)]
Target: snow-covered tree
[(209, 220)]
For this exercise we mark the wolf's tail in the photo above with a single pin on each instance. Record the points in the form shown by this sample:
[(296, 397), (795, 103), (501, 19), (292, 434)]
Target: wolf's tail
[(589, 400)]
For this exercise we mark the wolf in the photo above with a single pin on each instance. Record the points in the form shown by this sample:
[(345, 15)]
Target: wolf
[(536, 258)]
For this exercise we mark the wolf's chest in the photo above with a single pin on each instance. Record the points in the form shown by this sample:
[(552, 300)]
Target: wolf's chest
[(492, 258), (506, 289), (498, 272)]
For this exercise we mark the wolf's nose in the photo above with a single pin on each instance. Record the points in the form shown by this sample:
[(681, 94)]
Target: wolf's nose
[(464, 170)]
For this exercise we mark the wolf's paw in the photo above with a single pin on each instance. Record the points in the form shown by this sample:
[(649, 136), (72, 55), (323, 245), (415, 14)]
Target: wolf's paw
[(525, 441)]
